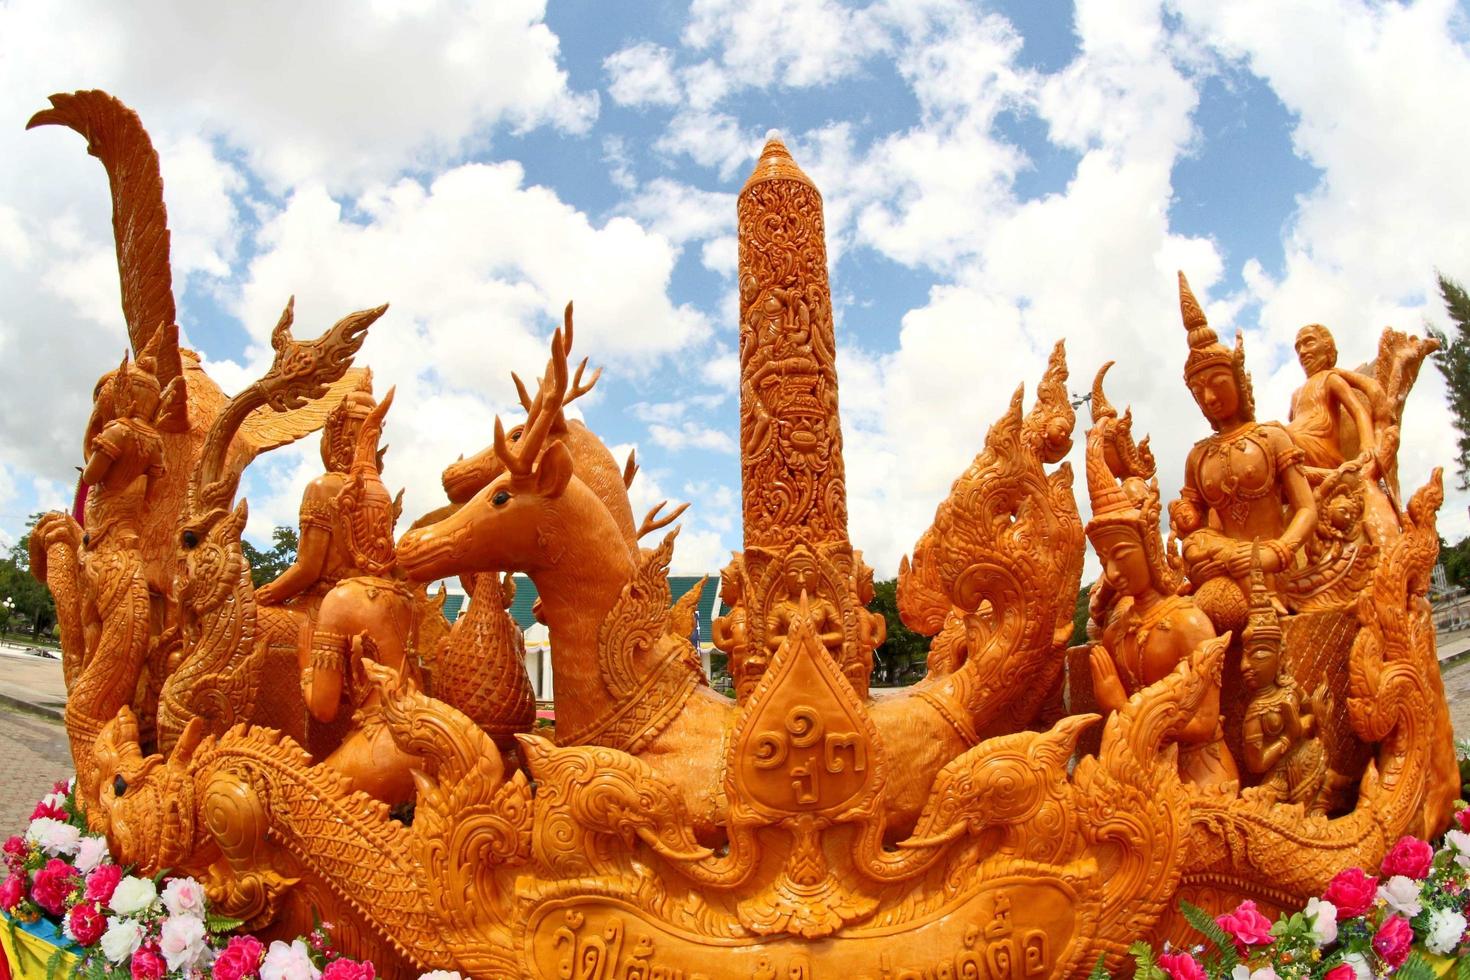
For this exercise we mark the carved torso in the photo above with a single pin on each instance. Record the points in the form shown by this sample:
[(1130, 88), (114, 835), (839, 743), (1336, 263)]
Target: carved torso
[(1236, 475), (116, 502)]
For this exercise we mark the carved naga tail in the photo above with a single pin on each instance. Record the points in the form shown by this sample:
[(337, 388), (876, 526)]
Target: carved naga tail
[(215, 680), (1005, 552)]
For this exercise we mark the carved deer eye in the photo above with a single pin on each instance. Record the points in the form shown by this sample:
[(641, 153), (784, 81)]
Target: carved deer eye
[(191, 540), (516, 433), (501, 496), (119, 785)]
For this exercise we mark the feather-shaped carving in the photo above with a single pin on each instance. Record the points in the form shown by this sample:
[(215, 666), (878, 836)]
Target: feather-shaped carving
[(115, 135)]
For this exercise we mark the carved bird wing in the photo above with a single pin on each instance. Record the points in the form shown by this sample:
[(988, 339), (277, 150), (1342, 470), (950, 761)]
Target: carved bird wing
[(265, 429)]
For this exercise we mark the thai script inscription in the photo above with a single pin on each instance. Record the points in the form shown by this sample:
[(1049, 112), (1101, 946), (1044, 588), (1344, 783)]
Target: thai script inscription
[(601, 955), (809, 753)]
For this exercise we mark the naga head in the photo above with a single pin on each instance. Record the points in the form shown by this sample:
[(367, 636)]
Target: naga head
[(146, 802)]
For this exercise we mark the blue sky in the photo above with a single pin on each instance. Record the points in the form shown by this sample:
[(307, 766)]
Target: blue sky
[(996, 175)]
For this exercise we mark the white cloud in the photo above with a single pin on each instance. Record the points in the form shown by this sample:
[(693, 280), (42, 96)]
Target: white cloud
[(470, 303), (691, 435), (783, 42), (307, 92), (642, 75)]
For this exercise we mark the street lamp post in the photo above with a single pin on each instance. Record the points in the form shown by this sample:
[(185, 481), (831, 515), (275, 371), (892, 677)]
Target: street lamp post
[(9, 606)]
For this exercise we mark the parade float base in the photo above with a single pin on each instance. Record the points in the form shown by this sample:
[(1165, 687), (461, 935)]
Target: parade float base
[(35, 950)]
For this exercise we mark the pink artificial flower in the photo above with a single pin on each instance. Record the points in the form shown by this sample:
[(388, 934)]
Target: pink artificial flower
[(1179, 966), (1342, 971), (1410, 857), (102, 882), (51, 886), (1393, 939), (240, 959), (1352, 891), (1462, 817), (44, 809), (344, 969), (1246, 926), (12, 892), (15, 852), (86, 922), (148, 963), (62, 786)]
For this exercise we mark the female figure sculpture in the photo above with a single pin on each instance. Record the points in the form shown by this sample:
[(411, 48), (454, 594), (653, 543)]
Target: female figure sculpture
[(1240, 483)]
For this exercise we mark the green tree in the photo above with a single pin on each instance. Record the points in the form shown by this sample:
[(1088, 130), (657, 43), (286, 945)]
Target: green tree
[(904, 656), (1079, 616), (31, 599), (1453, 361), (266, 565)]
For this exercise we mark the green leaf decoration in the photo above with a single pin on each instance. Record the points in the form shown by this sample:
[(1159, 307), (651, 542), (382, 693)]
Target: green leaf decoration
[(53, 964), (1415, 968), (1225, 958), (221, 923), (1147, 968), (1462, 968), (1099, 970)]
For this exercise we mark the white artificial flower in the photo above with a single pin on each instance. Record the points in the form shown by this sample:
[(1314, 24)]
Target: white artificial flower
[(90, 853), (184, 896), (133, 895), (1446, 926), (1359, 963), (441, 975), (183, 942), (291, 962), (57, 800), (53, 836), (1461, 842), (1243, 972), (1402, 895), (122, 939), (1323, 915)]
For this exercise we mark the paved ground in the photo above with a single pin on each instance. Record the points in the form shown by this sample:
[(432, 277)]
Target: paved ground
[(33, 755)]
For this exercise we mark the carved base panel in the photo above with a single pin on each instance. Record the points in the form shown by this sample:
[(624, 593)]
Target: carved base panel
[(1011, 927)]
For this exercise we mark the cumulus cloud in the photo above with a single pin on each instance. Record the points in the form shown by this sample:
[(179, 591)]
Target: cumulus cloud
[(642, 75)]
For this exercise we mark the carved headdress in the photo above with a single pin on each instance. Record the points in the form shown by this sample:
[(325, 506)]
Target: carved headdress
[(367, 511), (339, 434), (1206, 351), (1263, 625), (1121, 483)]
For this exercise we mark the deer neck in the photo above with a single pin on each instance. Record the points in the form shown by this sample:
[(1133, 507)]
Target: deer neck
[(577, 591)]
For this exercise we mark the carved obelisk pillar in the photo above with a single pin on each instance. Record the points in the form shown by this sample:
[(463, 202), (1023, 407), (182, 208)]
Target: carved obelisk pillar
[(794, 490)]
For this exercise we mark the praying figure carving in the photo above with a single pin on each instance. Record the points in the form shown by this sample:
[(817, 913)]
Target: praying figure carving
[(1147, 627), (1244, 482), (731, 632), (1279, 731), (800, 573)]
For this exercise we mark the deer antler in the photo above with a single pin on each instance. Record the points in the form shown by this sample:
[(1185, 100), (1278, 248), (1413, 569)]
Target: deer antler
[(652, 522), (630, 469), (521, 459)]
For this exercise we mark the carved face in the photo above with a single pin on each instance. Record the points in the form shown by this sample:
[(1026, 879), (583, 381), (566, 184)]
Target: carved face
[(1315, 349), (1216, 394), (1258, 663), (800, 573), (1124, 561)]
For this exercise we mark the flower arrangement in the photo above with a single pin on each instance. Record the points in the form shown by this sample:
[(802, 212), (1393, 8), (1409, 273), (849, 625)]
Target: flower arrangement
[(1409, 919), (134, 928)]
